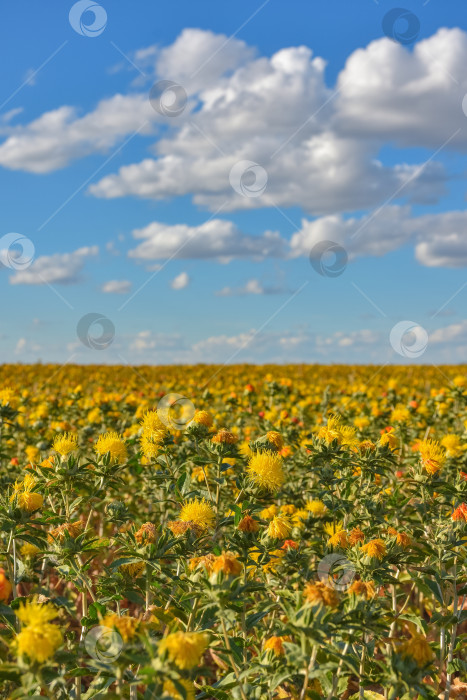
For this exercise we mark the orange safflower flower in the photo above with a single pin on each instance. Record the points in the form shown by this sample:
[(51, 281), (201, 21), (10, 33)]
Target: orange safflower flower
[(460, 513), (225, 437), (5, 587), (375, 549), (146, 534), (248, 524), (356, 535), (320, 594), (365, 589)]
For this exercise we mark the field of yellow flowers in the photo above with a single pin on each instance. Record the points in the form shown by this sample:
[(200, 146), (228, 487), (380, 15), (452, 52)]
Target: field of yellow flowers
[(241, 532)]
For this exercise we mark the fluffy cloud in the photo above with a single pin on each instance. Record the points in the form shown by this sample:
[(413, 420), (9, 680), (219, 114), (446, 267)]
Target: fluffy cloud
[(454, 333), (116, 287), (27, 349), (219, 348), (354, 339), (253, 286), (440, 240), (148, 341), (368, 235), (216, 239), (61, 268), (180, 281), (287, 346), (320, 149), (411, 97), (20, 345), (449, 344), (60, 136), (199, 58)]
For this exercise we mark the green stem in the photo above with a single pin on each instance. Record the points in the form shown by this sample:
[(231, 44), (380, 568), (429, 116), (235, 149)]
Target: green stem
[(84, 612), (308, 670), (453, 633), (361, 692), (218, 490), (335, 679), (232, 660), (148, 586), (192, 615)]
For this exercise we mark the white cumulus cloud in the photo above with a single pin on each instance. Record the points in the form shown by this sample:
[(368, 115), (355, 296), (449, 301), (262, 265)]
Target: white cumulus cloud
[(180, 281), (216, 239), (253, 286), (439, 240), (320, 150), (60, 268), (116, 287)]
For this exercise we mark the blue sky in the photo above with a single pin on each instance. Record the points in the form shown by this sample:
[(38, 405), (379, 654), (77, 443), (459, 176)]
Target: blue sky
[(148, 219)]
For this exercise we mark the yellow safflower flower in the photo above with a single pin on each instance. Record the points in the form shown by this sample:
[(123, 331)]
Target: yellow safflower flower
[(375, 548), (29, 550), (27, 499), (417, 648), (316, 508), (114, 444), (151, 422), (184, 649), (280, 527), (151, 442), (269, 512), (275, 439), (265, 470), (453, 445), (199, 512), (432, 455), (171, 690), (203, 418), (65, 443), (125, 625), (38, 639)]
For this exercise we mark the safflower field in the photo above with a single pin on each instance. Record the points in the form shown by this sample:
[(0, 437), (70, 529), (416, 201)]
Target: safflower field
[(233, 532)]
